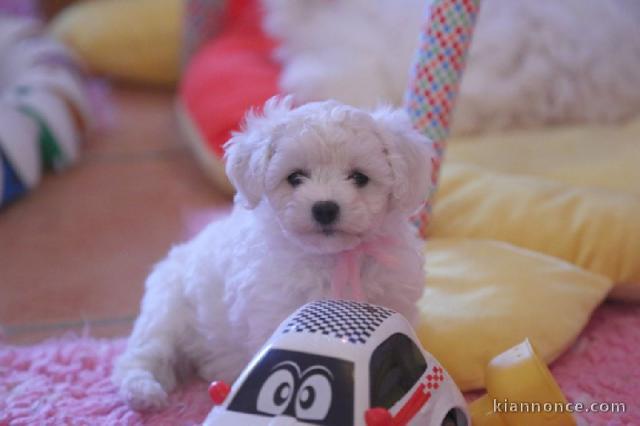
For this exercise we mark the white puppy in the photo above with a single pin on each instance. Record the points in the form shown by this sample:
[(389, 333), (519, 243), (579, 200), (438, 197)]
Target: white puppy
[(314, 183), (531, 63)]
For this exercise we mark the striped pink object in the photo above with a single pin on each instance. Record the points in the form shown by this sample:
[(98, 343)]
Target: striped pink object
[(437, 72)]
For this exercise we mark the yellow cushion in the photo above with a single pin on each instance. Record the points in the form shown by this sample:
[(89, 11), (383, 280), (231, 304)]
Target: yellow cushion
[(605, 157), (134, 40), (594, 229), (482, 297)]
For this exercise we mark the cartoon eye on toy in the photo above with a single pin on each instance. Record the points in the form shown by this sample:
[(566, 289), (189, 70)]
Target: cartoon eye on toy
[(276, 392), (294, 385), (314, 397)]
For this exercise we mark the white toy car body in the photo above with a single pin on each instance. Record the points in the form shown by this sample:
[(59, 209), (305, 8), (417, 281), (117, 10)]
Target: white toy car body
[(341, 363)]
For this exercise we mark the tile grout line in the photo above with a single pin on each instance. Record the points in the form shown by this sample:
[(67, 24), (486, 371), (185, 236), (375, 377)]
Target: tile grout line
[(156, 154), (14, 330)]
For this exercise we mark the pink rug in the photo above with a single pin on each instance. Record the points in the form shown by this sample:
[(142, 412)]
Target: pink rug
[(66, 380)]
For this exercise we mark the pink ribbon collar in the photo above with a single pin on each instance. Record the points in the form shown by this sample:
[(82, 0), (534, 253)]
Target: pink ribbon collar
[(348, 267)]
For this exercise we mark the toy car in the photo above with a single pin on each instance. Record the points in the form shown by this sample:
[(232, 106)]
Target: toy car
[(340, 363)]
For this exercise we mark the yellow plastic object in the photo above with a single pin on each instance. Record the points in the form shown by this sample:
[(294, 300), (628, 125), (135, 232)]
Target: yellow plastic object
[(132, 40), (594, 229), (519, 376), (482, 297)]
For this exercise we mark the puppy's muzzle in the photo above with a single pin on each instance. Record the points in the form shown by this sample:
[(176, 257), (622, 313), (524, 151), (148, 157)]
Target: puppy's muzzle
[(325, 212)]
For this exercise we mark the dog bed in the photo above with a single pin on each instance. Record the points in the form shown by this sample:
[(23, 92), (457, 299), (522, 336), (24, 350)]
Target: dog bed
[(66, 380)]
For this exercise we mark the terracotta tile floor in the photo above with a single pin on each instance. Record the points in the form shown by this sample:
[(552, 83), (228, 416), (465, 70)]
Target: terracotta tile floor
[(75, 252)]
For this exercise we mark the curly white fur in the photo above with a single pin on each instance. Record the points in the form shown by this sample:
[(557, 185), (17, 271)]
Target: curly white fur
[(215, 300), (531, 62)]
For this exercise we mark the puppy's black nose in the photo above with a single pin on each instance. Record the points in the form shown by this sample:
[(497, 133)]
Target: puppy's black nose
[(325, 212)]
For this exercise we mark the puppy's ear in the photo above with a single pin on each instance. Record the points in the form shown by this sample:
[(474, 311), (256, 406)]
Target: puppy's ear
[(249, 150), (410, 155)]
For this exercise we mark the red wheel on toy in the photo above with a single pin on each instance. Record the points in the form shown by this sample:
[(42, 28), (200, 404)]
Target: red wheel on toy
[(218, 391)]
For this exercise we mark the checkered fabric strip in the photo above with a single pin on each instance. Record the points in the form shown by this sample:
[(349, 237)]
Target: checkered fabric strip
[(341, 319), (437, 71), (203, 20)]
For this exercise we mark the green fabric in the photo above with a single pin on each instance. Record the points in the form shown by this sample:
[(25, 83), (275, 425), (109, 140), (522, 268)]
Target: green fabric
[(52, 156)]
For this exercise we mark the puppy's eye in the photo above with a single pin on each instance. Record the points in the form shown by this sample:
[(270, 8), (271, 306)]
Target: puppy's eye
[(296, 178), (360, 179)]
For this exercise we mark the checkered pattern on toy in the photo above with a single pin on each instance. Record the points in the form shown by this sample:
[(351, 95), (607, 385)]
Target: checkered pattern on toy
[(342, 319), (434, 378)]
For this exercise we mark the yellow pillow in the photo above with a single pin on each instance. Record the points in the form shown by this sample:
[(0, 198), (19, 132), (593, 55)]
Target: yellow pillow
[(482, 297), (595, 229), (605, 157), (134, 40)]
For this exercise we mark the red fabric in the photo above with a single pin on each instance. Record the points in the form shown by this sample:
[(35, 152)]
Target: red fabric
[(231, 74)]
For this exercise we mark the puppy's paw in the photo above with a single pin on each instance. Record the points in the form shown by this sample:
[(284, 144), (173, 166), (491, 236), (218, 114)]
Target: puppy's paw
[(142, 392)]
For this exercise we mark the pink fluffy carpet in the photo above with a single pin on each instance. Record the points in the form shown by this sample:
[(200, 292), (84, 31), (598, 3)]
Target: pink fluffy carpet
[(65, 381)]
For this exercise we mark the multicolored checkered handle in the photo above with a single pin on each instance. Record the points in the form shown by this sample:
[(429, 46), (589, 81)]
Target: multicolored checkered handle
[(437, 71)]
